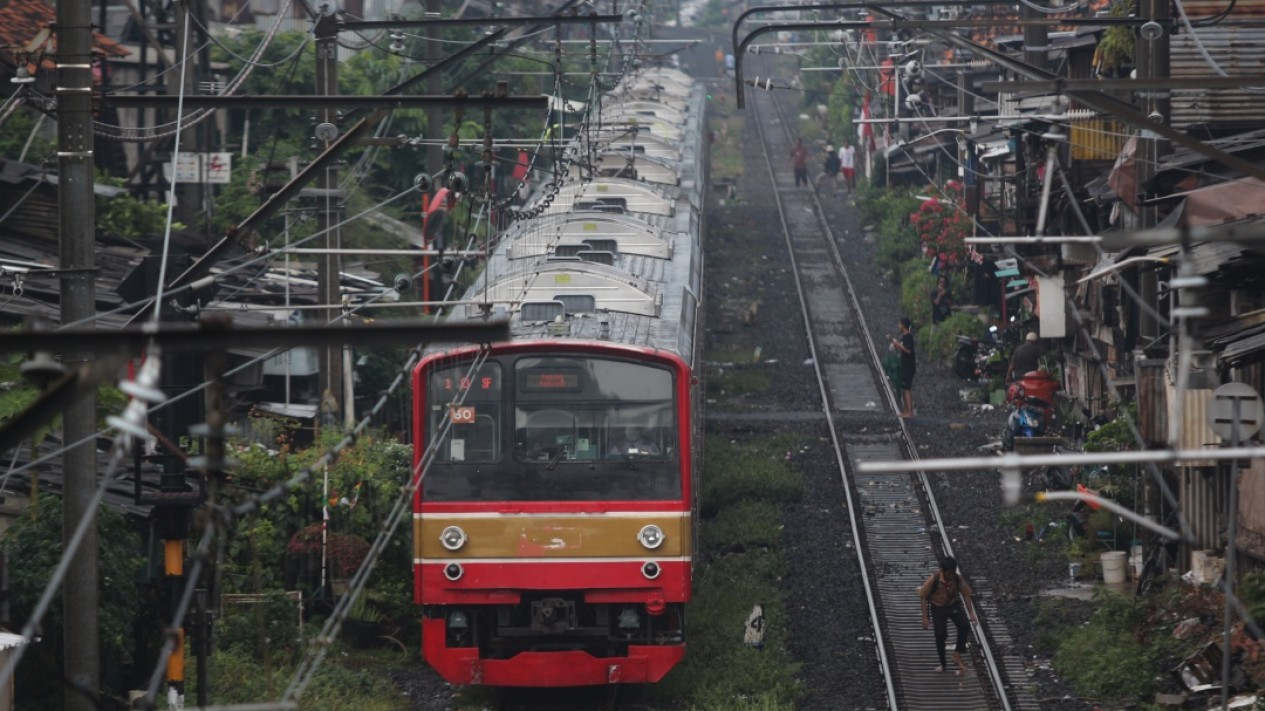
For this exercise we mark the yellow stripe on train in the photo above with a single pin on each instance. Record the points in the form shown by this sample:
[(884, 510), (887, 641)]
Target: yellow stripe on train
[(552, 536)]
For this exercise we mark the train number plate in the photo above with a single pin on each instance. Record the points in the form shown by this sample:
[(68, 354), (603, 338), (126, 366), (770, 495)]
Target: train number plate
[(461, 414)]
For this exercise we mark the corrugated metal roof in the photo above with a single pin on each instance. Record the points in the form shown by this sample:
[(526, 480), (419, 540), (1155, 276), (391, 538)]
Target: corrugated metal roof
[(1239, 52), (1197, 9)]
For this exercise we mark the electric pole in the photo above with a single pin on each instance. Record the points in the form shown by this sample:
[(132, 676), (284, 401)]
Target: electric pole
[(189, 192), (77, 229), (1152, 58), (330, 382)]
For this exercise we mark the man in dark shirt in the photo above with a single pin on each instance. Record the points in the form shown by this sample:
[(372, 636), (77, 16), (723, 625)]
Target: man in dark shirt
[(799, 162), (1027, 357), (908, 365)]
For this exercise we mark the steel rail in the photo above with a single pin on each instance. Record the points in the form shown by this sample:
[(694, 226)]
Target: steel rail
[(853, 506), (991, 663)]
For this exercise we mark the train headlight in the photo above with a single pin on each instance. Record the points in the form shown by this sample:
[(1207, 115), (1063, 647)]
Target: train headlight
[(453, 538), (651, 536), (650, 569), (453, 571)]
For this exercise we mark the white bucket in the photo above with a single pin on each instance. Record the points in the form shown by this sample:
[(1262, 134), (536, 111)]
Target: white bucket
[(1113, 567)]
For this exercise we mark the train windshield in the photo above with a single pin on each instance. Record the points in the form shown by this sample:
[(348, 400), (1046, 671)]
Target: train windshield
[(574, 429)]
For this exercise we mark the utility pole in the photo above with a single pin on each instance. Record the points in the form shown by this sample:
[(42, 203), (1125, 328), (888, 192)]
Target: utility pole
[(330, 265), (1152, 55), (434, 86), (77, 229), (189, 192), (434, 152)]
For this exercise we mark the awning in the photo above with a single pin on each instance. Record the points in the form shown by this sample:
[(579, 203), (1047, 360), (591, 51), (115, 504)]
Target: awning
[(1223, 202)]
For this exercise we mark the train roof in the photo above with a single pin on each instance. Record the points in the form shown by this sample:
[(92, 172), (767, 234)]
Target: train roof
[(622, 164), (588, 230), (611, 259)]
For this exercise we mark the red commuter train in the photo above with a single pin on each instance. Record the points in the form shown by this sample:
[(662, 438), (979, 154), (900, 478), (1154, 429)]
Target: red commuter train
[(554, 527)]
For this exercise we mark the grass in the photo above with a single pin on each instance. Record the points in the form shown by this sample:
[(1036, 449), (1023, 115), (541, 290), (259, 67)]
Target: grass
[(345, 679), (732, 354), (746, 483), (737, 382), (727, 127), (739, 472)]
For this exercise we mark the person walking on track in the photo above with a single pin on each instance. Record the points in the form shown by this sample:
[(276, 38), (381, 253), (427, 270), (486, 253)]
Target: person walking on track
[(946, 596), (799, 162)]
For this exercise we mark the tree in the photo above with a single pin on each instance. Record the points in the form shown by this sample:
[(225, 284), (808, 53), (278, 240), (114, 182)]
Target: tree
[(34, 547)]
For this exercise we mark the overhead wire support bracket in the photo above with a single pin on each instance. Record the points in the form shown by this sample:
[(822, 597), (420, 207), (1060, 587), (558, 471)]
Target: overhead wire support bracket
[(185, 336), (399, 101), (440, 23)]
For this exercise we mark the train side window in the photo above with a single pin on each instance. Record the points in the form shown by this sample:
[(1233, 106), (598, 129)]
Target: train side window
[(480, 444), (465, 412)]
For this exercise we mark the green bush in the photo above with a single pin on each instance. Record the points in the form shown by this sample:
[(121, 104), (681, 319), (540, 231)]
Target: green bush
[(915, 291), (34, 548), (939, 341), (1105, 658), (253, 629), (888, 212)]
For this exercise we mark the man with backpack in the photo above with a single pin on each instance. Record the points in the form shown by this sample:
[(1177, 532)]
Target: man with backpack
[(946, 596)]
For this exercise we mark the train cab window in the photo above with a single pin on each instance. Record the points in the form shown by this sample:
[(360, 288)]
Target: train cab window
[(553, 435), (465, 412)]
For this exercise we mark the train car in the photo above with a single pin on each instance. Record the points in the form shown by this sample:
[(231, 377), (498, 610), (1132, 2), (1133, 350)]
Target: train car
[(554, 527)]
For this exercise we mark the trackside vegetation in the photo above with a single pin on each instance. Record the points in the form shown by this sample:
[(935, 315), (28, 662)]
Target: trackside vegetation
[(746, 484)]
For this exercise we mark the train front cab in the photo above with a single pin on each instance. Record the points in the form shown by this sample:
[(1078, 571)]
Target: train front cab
[(548, 550)]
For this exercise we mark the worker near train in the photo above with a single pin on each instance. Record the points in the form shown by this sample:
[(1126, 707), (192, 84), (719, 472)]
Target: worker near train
[(946, 596)]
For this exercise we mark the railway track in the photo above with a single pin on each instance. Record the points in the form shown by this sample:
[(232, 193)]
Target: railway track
[(894, 517)]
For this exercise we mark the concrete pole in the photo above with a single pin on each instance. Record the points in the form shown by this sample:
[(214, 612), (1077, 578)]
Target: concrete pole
[(1036, 40), (188, 193), (1152, 56), (330, 265), (77, 222), (435, 87)]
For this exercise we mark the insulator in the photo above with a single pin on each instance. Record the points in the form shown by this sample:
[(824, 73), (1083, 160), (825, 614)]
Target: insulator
[(149, 395)]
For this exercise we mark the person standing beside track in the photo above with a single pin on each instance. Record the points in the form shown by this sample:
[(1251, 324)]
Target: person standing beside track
[(908, 366), (940, 602)]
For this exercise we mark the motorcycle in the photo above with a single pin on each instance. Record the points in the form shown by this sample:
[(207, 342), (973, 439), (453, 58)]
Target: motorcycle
[(1027, 418), (965, 357)]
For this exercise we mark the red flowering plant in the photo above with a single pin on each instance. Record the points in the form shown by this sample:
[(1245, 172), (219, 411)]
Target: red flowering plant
[(942, 225), (345, 551)]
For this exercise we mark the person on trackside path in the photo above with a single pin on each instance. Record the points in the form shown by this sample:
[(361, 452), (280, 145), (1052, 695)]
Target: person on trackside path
[(847, 165), (908, 366), (946, 596)]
